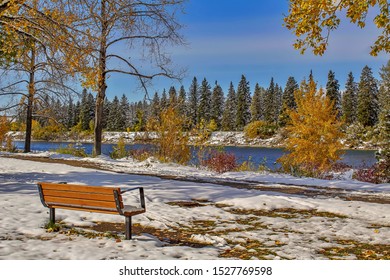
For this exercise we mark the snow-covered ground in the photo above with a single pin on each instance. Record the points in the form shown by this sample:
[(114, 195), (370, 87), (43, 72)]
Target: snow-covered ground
[(233, 222)]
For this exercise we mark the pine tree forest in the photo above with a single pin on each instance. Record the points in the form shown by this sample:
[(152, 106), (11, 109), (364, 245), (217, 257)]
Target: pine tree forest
[(361, 106)]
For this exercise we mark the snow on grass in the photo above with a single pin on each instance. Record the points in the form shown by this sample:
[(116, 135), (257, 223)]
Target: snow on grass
[(228, 222)]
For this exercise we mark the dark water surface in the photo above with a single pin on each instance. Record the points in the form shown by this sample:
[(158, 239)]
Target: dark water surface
[(257, 155)]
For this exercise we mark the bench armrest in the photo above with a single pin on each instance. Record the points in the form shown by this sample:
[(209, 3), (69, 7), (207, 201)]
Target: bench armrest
[(141, 195)]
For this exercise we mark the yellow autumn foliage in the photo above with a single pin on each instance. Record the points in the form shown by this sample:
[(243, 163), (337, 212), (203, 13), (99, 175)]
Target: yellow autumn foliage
[(314, 133), (312, 22), (4, 128), (172, 141)]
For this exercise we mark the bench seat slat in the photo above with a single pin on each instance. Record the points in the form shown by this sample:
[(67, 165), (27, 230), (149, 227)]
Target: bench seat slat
[(88, 209), (52, 200), (80, 195), (78, 188)]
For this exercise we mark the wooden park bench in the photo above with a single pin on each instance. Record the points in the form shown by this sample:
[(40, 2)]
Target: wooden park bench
[(89, 198)]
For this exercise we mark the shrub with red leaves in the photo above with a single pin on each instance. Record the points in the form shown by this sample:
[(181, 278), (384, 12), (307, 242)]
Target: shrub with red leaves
[(375, 174), (221, 162)]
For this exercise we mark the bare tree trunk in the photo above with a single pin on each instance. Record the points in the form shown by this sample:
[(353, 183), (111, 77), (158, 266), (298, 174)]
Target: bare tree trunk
[(102, 82), (30, 103)]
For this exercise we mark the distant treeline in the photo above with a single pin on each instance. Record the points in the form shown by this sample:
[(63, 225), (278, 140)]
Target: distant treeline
[(361, 101)]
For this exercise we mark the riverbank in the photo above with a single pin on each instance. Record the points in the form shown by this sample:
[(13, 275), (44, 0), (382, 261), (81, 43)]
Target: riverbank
[(216, 139)]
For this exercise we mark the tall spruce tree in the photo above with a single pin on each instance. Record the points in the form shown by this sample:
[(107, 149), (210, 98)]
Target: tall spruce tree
[(333, 92), (257, 104), (243, 115), (384, 92), (87, 109), (288, 100), (77, 110), (155, 107), (217, 101), (124, 120), (164, 102), (349, 100), (70, 114), (114, 117), (367, 107), (229, 111), (106, 112), (204, 108), (182, 102), (193, 102), (277, 102), (172, 96), (383, 154), (269, 102)]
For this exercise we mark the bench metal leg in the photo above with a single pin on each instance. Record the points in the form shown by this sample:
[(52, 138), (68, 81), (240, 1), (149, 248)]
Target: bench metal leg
[(128, 227), (52, 215)]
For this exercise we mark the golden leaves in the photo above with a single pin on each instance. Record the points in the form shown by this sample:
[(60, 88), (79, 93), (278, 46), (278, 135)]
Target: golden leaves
[(314, 131), (314, 20)]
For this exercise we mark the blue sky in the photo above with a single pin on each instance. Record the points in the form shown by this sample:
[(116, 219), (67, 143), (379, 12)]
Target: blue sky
[(233, 37)]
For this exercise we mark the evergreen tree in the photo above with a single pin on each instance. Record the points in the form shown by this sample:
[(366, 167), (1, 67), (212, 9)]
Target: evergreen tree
[(77, 110), (243, 115), (87, 109), (164, 102), (277, 102), (124, 120), (204, 108), (193, 100), (229, 112), (257, 104), (147, 110), (140, 117), (172, 96), (332, 91), (269, 102), (383, 154), (70, 114), (384, 92), (288, 101), (155, 107), (349, 100), (182, 102), (217, 101), (115, 116), (106, 112), (367, 107)]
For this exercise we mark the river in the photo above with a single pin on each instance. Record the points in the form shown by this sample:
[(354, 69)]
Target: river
[(257, 155)]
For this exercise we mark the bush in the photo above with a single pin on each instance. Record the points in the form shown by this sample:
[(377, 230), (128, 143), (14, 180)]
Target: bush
[(72, 150), (221, 162), (53, 131), (10, 146), (377, 174), (172, 141), (141, 154), (119, 151), (314, 136), (4, 128), (260, 129)]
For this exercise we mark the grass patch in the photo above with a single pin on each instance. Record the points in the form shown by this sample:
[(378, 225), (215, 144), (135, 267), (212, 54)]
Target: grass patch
[(251, 249), (186, 204), (72, 231), (362, 251), (286, 213), (52, 227)]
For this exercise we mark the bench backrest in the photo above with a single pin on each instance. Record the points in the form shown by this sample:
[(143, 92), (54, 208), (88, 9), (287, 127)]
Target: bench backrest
[(80, 197)]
